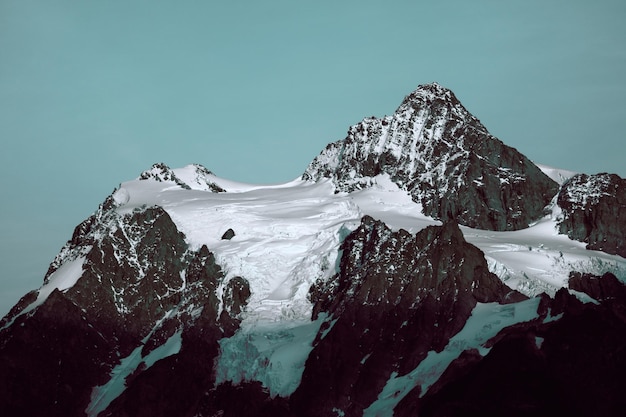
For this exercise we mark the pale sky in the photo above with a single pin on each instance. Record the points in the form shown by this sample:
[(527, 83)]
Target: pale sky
[(94, 92)]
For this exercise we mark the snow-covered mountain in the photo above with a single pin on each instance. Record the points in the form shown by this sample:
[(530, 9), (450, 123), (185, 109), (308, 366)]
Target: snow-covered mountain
[(445, 158), (419, 266)]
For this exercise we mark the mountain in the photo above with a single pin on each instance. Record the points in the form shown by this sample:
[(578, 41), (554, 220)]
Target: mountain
[(418, 267), (445, 158)]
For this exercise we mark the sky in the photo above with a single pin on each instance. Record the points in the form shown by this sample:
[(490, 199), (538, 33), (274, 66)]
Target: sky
[(94, 92)]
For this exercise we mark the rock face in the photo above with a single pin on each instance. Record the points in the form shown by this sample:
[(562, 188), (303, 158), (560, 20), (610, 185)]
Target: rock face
[(396, 297), (594, 211), (138, 288), (435, 149), (571, 366)]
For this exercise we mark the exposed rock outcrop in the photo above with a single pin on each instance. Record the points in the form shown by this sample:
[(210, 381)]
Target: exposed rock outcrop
[(196, 177), (162, 173), (594, 211), (228, 235)]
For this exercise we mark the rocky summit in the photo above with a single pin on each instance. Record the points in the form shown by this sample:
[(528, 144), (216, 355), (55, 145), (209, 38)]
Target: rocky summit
[(419, 267), (445, 158)]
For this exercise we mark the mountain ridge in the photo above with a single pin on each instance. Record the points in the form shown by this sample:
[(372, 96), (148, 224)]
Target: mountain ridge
[(358, 289)]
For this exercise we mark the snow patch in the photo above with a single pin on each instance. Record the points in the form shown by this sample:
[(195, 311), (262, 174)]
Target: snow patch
[(121, 196), (539, 259), (557, 175), (62, 279)]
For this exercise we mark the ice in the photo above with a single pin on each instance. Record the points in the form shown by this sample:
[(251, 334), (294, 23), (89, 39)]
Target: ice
[(170, 347), (287, 236), (272, 354), (102, 396)]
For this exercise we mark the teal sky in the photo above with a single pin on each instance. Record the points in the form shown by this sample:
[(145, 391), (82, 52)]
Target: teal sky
[(94, 92)]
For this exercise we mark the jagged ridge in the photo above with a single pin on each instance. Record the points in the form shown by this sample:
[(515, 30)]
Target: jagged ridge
[(435, 149)]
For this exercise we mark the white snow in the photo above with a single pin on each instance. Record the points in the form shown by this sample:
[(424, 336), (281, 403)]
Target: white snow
[(121, 196), (286, 237), (539, 259), (62, 279), (556, 174)]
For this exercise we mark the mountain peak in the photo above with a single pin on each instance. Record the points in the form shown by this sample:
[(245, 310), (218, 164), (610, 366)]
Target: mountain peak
[(429, 92), (191, 177), (441, 154), (437, 100)]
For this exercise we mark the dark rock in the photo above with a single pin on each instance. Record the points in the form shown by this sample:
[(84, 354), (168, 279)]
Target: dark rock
[(569, 365), (248, 399), (162, 173), (50, 360), (234, 300), (601, 288), (511, 380), (129, 275), (594, 211), (606, 289), (396, 297), (83, 236), (445, 158), (173, 386), (139, 281), (228, 235), (177, 384), (24, 302)]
